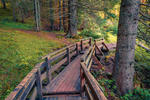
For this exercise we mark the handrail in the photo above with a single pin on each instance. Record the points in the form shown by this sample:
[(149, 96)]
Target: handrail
[(87, 81), (43, 70), (91, 83)]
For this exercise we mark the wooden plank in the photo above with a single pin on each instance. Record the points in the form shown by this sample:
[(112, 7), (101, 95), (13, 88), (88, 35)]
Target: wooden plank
[(99, 50), (88, 93), (52, 59), (73, 54), (82, 82), (34, 94), (86, 54), (100, 66), (92, 83), (60, 93), (105, 46), (100, 39), (15, 94), (89, 66), (54, 68), (89, 56), (64, 97), (27, 90), (53, 53), (68, 79)]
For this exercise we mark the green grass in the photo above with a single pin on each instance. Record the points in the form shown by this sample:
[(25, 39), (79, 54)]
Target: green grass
[(19, 52), (6, 24), (6, 21)]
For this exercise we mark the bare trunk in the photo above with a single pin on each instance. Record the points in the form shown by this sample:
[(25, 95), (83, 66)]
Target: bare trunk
[(4, 4), (14, 3), (72, 27), (37, 14), (124, 59), (64, 16), (51, 15), (60, 16)]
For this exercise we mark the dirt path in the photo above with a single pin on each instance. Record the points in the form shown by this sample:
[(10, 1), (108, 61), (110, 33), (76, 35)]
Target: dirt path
[(58, 36), (50, 35)]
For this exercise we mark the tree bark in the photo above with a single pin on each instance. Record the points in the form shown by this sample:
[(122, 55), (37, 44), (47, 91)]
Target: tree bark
[(72, 22), (125, 51), (60, 16), (51, 15), (4, 4), (64, 16), (37, 14)]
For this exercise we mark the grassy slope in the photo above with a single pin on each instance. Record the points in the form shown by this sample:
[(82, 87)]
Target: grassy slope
[(19, 52)]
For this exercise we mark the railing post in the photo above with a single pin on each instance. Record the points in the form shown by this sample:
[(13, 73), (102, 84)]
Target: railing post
[(39, 85), (82, 80), (68, 55), (81, 45), (77, 49), (48, 74), (95, 48), (90, 41)]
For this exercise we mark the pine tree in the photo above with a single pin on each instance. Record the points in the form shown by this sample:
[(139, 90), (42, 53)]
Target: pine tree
[(124, 59)]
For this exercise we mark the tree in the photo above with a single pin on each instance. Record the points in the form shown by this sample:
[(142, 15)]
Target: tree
[(60, 16), (37, 14), (72, 12), (4, 4), (51, 15), (127, 32), (64, 16)]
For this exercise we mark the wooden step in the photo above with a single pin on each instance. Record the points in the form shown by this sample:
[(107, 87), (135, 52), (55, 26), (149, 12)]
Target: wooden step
[(65, 97)]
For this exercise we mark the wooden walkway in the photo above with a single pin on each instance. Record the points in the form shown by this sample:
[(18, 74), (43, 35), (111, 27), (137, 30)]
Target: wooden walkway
[(74, 82), (64, 97), (68, 80)]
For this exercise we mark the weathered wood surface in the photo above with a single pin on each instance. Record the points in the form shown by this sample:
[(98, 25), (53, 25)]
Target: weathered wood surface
[(91, 82), (67, 80), (110, 46), (65, 97), (22, 90)]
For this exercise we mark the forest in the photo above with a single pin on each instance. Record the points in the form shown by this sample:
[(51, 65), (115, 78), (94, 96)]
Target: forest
[(117, 33)]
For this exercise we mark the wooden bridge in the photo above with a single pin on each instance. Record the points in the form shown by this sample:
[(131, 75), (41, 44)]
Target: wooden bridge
[(64, 75)]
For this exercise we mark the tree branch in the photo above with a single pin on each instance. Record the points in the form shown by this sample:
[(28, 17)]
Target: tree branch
[(145, 4), (148, 17)]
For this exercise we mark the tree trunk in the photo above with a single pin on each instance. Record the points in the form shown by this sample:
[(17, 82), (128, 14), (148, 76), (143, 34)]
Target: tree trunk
[(64, 16), (4, 4), (14, 4), (37, 14), (125, 51), (60, 16), (72, 12), (51, 15)]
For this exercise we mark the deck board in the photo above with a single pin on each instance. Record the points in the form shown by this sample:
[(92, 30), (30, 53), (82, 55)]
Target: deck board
[(68, 80), (63, 98)]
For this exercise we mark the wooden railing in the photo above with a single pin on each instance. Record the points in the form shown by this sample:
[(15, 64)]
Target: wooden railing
[(31, 86), (88, 83)]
